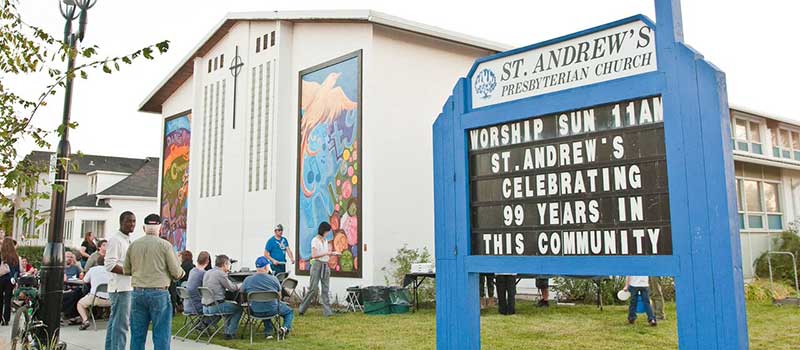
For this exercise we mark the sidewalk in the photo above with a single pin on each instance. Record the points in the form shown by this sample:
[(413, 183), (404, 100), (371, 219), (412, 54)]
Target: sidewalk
[(95, 340)]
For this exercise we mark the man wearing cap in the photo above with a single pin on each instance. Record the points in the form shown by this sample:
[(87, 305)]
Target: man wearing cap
[(263, 281), (152, 266), (277, 249)]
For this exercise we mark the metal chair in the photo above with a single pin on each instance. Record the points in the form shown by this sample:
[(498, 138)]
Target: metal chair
[(206, 293), (281, 276), (260, 297), (288, 287), (191, 320), (102, 288)]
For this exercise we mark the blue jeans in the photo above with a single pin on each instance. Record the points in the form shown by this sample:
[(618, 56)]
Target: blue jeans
[(151, 305), (119, 321), (231, 320), (645, 292), (284, 310)]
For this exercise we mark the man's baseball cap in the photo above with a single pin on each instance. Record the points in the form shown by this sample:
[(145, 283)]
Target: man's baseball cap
[(152, 219), (278, 227), (261, 262)]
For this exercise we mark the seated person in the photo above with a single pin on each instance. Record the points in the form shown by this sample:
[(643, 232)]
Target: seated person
[(263, 281), (194, 304), (26, 269), (96, 276), (72, 269), (217, 281), (101, 252)]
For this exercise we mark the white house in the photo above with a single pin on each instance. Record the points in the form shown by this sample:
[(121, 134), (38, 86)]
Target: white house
[(766, 154), (100, 189), (243, 177)]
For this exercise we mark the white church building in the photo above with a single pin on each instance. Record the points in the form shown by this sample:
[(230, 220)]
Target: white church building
[(346, 99), (302, 117)]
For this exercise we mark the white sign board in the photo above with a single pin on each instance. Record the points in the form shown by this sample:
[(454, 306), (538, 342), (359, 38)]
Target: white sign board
[(52, 169), (612, 53)]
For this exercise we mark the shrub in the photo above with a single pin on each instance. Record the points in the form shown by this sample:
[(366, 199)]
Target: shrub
[(585, 291), (782, 269), (761, 290), (401, 265)]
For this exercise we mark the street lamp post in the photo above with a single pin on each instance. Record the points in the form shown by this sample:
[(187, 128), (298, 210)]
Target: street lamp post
[(52, 272)]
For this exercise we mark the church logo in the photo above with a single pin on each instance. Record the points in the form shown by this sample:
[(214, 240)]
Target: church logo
[(485, 82)]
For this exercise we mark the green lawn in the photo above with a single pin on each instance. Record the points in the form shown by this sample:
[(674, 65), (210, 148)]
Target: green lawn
[(562, 327)]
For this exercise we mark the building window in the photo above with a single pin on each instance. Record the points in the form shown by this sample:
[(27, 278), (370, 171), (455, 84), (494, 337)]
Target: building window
[(272, 38), (96, 227), (786, 143), (758, 198), (258, 44), (747, 136), (67, 231), (209, 65)]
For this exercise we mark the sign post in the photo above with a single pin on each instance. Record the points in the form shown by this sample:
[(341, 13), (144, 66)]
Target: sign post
[(604, 152)]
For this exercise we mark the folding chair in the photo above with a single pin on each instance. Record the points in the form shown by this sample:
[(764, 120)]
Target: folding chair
[(102, 288), (353, 304), (206, 293), (288, 287), (281, 276), (192, 319), (274, 319)]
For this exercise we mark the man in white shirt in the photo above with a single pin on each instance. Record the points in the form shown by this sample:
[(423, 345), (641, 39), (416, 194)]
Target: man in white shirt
[(639, 285), (96, 276), (119, 285)]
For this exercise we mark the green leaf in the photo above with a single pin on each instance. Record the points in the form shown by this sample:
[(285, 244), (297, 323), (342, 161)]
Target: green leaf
[(147, 53), (106, 69), (84, 75)]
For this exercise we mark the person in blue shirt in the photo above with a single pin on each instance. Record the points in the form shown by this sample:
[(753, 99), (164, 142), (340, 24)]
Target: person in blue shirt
[(277, 249), (263, 281)]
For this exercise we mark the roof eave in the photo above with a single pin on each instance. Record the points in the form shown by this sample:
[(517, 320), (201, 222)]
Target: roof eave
[(150, 106)]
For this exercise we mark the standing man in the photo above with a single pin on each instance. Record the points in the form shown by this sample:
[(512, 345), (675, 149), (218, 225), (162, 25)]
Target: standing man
[(119, 286), (506, 293), (277, 249), (657, 295), (152, 265), (543, 284)]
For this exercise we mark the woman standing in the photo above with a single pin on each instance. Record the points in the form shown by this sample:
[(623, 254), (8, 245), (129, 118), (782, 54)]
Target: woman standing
[(87, 248), (320, 272), (9, 268)]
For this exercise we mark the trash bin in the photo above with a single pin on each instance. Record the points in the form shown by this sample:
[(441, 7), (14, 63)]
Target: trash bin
[(399, 300), (376, 300)]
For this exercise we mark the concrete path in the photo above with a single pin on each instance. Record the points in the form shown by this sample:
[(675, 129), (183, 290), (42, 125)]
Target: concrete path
[(95, 340)]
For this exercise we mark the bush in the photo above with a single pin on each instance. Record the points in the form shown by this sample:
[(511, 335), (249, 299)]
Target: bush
[(782, 269), (34, 254), (401, 265), (761, 290), (585, 291)]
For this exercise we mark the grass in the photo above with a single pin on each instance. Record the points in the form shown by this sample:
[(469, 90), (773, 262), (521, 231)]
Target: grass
[(562, 327)]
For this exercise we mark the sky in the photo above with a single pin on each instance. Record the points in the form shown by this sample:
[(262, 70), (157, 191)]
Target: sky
[(749, 40)]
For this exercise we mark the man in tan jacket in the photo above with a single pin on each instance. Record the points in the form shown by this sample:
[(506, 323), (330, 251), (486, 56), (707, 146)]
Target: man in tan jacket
[(152, 265)]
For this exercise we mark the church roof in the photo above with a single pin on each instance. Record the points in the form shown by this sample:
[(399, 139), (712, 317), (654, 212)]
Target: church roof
[(185, 69)]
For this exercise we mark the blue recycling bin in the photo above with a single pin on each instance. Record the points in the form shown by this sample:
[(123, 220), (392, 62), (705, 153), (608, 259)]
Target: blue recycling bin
[(640, 309)]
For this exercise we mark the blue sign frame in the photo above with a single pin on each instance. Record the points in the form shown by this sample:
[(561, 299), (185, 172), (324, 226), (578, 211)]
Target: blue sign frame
[(706, 260)]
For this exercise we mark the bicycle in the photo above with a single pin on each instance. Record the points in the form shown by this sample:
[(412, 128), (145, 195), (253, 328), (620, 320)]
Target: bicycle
[(26, 325)]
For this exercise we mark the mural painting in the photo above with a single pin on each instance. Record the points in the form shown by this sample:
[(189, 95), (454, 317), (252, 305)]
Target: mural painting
[(175, 179), (329, 162)]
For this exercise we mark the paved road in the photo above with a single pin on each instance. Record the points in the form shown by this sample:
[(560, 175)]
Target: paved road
[(94, 340)]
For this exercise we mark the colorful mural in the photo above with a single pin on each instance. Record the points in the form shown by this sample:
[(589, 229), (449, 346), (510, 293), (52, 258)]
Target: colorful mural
[(329, 155), (175, 179)]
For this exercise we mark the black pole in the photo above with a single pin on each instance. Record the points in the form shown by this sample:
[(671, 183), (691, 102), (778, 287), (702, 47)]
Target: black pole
[(52, 271)]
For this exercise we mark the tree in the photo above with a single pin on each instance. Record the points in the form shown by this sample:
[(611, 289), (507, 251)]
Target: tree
[(27, 50)]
